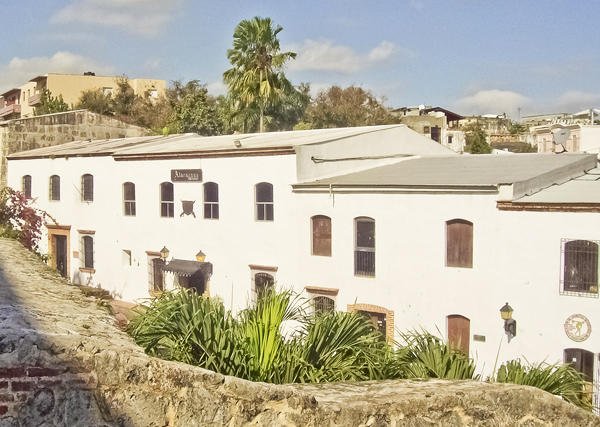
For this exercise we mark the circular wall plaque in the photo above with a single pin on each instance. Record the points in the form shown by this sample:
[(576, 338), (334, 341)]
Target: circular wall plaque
[(578, 327)]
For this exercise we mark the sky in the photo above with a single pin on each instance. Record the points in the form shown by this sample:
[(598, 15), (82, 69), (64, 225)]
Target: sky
[(519, 57)]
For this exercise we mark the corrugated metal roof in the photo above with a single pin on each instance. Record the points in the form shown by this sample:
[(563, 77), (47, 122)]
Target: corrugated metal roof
[(189, 143), (465, 170), (183, 267)]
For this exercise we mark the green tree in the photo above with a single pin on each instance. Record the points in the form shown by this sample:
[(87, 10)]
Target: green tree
[(349, 107), (257, 80), (476, 140), (123, 98), (96, 101), (516, 128), (193, 110), (50, 104)]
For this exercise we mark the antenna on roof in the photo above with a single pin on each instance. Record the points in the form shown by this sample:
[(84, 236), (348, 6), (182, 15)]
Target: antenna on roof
[(560, 137)]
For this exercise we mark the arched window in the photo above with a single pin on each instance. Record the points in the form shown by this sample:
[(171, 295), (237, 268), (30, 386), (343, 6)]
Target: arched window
[(167, 200), (54, 188), (129, 199), (459, 243), (364, 247), (459, 333), (263, 282), (321, 235), (87, 188), (580, 268), (264, 201), (26, 186), (211, 200), (323, 305)]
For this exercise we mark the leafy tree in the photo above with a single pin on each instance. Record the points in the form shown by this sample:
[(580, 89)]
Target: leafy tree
[(256, 80), (349, 107), (50, 104), (96, 101), (193, 110), (516, 128), (123, 98), (149, 112), (476, 140)]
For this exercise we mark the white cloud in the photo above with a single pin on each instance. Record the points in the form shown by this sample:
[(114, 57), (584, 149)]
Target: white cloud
[(573, 102), (143, 17), (19, 70), (492, 102), (327, 56), (217, 88)]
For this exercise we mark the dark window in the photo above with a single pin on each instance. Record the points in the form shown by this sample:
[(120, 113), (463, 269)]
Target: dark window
[(129, 198), (580, 266), (583, 362), (54, 190), (321, 235), (167, 200), (156, 278), (435, 133), (88, 251), (459, 243), (87, 188), (211, 200), (364, 247), (263, 282), (459, 332), (379, 320), (264, 201), (26, 186), (323, 305)]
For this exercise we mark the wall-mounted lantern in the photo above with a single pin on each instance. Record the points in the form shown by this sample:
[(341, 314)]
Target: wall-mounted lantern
[(510, 324), (164, 253), (200, 256)]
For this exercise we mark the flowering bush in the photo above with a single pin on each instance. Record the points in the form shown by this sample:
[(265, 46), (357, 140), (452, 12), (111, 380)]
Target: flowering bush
[(19, 220)]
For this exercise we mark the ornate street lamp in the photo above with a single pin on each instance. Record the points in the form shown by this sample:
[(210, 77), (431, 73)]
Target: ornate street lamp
[(164, 253), (510, 324), (200, 256)]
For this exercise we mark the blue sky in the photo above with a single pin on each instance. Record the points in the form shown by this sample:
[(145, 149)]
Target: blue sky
[(469, 56)]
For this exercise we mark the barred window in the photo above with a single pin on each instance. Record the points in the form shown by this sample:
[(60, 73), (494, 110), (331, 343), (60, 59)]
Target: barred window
[(211, 200), (264, 201), (167, 200), (26, 186), (364, 247), (54, 188), (129, 199), (87, 247), (87, 188), (263, 282), (321, 235), (580, 268), (323, 305)]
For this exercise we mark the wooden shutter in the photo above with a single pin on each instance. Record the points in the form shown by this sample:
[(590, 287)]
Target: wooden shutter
[(459, 331), (459, 243)]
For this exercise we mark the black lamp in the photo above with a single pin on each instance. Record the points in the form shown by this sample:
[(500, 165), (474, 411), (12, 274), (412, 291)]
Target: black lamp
[(510, 324)]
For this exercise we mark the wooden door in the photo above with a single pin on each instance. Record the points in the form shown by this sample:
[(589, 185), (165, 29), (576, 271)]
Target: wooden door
[(459, 332)]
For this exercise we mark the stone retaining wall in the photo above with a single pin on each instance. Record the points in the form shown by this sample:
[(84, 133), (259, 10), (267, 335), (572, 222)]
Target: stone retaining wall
[(64, 363), (53, 129)]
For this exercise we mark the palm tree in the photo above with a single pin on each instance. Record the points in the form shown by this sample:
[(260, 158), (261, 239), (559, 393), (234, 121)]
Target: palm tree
[(257, 76)]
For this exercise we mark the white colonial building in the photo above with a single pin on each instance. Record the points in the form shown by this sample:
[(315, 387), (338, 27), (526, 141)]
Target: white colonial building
[(378, 219)]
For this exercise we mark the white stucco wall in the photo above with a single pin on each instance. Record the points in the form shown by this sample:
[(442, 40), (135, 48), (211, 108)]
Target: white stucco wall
[(516, 254)]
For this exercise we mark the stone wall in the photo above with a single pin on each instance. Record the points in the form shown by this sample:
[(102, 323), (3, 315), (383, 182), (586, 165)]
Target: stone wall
[(64, 363), (53, 129)]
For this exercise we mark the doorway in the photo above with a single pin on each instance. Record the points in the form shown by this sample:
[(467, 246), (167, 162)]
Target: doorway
[(60, 243)]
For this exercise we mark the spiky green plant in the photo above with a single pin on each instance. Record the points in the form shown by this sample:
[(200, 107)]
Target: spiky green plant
[(559, 379), (423, 355)]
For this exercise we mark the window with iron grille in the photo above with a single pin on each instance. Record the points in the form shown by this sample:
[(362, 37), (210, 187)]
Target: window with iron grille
[(87, 244), (264, 201), (26, 186), (54, 188), (321, 235), (129, 199), (155, 270), (364, 247), (263, 282), (459, 243), (211, 200), (323, 305), (579, 268), (87, 188), (167, 200)]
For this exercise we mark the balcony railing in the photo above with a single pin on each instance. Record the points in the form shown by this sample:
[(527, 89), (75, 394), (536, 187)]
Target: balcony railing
[(34, 100), (364, 263), (10, 110)]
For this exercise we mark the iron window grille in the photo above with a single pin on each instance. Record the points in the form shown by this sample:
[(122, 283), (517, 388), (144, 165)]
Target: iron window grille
[(156, 282), (263, 283), (321, 235), (54, 190), (88, 251), (26, 186), (264, 201), (364, 247), (129, 199), (87, 188), (323, 305), (579, 268), (211, 200), (167, 200)]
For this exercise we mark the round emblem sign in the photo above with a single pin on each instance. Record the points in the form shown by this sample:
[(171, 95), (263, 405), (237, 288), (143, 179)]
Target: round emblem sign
[(578, 327)]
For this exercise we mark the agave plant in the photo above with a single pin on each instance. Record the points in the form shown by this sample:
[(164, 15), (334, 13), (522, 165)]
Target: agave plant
[(558, 379), (423, 355)]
